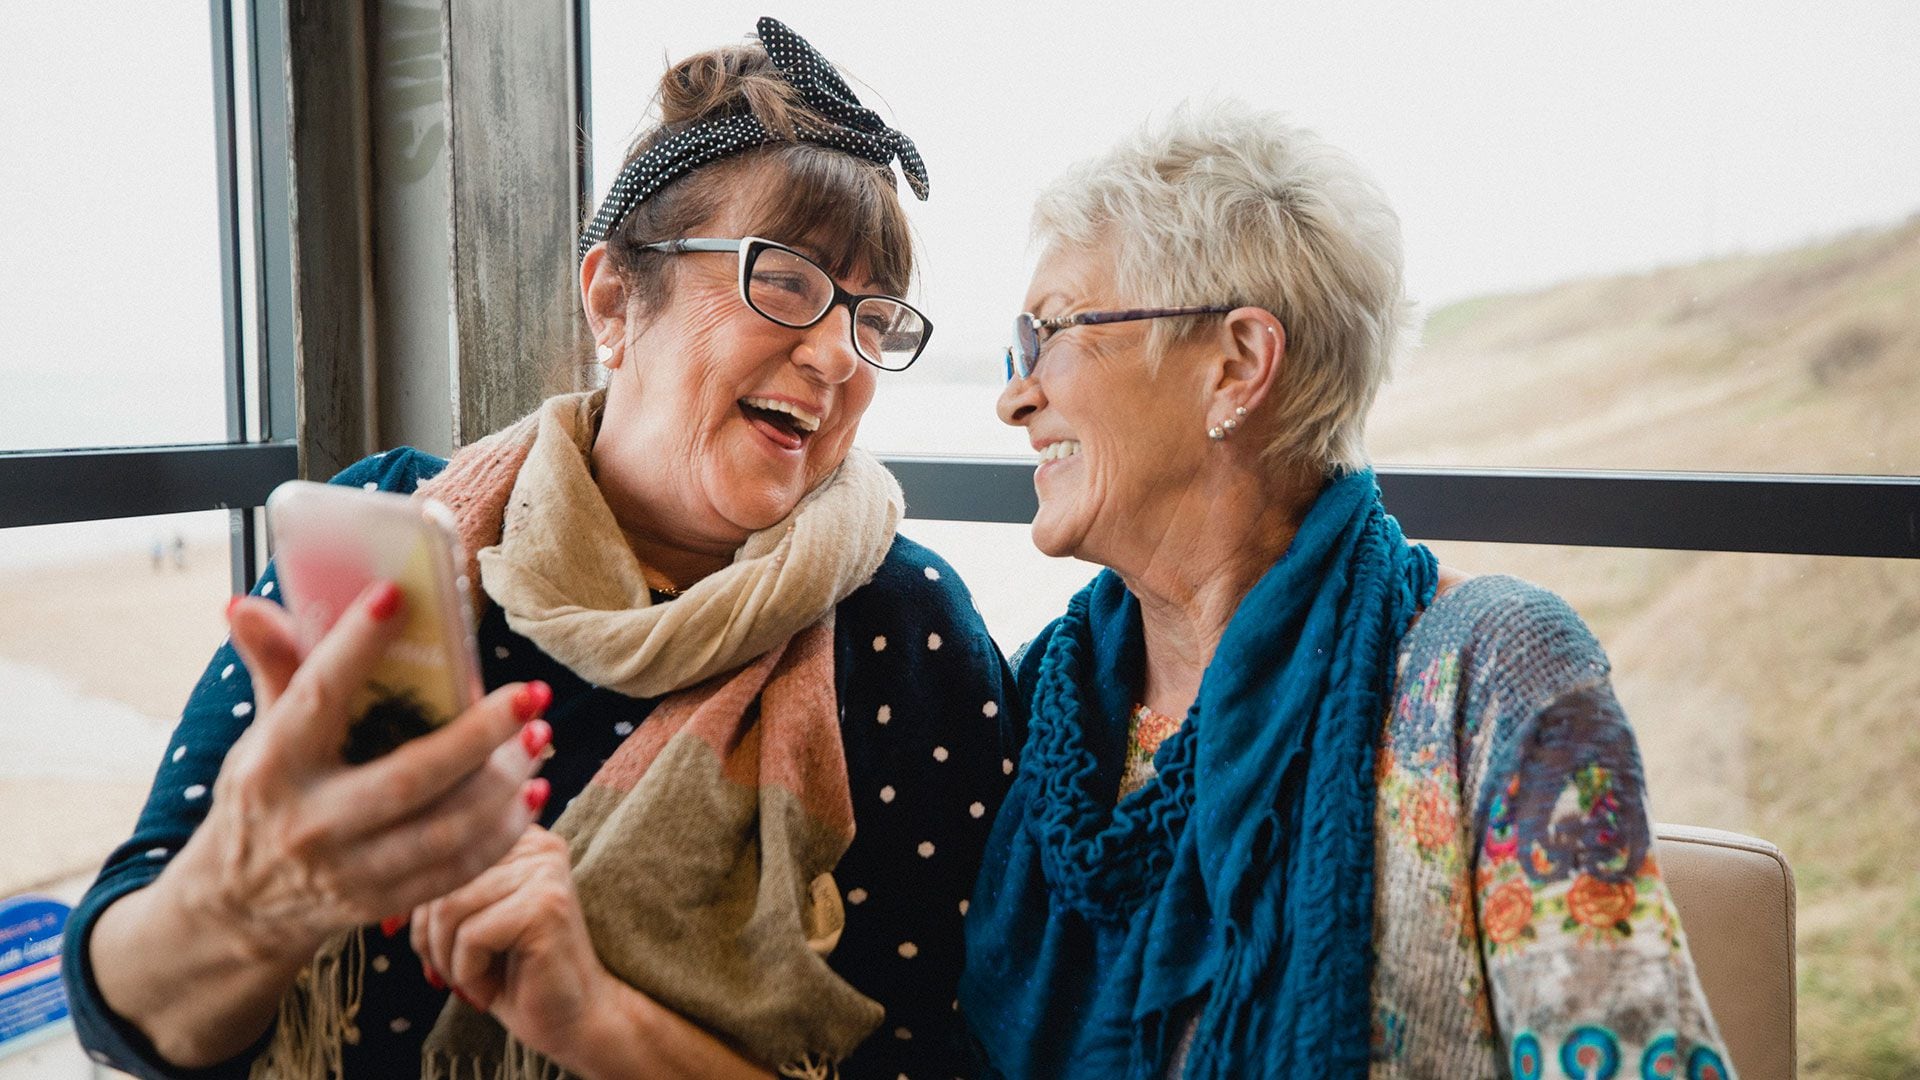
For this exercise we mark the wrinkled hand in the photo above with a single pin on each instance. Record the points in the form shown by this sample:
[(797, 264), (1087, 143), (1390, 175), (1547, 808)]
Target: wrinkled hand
[(298, 844), (513, 942)]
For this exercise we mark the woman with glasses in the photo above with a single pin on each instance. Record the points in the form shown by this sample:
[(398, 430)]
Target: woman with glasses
[(1294, 800), (722, 810)]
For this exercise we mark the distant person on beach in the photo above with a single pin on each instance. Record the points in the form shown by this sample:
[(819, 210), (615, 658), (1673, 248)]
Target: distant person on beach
[(1295, 801), (767, 729)]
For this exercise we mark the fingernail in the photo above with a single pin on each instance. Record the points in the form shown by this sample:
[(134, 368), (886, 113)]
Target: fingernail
[(232, 602), (536, 792), (535, 736), (386, 601), (470, 1003), (391, 924), (531, 700), (433, 977)]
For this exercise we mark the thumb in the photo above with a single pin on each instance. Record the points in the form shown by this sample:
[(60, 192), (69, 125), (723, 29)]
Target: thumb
[(268, 644)]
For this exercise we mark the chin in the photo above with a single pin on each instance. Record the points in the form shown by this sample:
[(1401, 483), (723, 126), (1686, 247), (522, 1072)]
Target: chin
[(1052, 537)]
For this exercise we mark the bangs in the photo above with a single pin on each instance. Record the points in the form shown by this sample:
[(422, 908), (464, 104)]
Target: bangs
[(834, 206)]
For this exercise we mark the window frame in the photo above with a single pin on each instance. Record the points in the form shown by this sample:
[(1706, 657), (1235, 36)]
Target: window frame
[(1793, 514)]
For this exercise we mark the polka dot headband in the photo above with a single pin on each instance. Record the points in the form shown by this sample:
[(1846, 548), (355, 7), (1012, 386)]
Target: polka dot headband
[(856, 130)]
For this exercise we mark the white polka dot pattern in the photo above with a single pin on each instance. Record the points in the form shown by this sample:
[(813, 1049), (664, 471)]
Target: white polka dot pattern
[(909, 950), (856, 130)]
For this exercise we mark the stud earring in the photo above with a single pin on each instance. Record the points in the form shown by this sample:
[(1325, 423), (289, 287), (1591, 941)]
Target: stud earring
[(1216, 433), (604, 354), (1229, 425), (1240, 410)]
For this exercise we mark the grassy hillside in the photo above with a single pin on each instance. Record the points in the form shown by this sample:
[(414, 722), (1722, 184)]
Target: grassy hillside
[(1773, 695)]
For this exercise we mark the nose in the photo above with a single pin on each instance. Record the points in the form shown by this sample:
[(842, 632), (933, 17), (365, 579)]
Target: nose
[(826, 348), (1019, 400)]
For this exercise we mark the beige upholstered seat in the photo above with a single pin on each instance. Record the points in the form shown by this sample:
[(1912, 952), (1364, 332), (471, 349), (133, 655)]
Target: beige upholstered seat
[(1735, 896)]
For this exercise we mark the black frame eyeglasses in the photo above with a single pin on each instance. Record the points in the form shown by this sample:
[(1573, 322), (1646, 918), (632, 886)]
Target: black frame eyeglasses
[(786, 287), (1024, 354)]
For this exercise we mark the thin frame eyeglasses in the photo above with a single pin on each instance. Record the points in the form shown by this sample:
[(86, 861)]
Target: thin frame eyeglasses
[(1024, 354), (786, 287)]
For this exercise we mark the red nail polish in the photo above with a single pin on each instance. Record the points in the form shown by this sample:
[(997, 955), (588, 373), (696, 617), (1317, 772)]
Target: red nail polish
[(536, 792), (531, 700), (535, 737), (385, 601), (232, 602), (391, 924), (433, 977)]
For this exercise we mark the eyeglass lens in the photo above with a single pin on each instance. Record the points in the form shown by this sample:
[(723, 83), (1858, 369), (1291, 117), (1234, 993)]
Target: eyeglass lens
[(793, 291), (1026, 347)]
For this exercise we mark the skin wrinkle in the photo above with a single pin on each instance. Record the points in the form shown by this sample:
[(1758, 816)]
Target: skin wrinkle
[(1187, 522), (687, 478)]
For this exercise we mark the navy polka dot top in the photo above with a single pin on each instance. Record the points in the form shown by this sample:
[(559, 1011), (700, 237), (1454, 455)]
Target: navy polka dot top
[(924, 714)]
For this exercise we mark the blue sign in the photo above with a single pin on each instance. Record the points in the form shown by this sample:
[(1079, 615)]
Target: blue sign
[(33, 1001)]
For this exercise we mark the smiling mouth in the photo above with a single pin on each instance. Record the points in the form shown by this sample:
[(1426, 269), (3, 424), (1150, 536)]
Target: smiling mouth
[(787, 426)]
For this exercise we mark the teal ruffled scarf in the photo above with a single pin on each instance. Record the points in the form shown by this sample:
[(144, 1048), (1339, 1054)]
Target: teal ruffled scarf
[(1233, 894)]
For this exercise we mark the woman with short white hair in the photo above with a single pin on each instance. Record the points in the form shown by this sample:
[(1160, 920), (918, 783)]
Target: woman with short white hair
[(1294, 800)]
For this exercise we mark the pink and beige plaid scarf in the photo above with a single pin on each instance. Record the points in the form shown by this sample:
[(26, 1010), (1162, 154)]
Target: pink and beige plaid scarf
[(703, 849)]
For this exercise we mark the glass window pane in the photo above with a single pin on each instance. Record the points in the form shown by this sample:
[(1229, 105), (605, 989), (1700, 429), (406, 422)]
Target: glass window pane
[(106, 626), (110, 305), (1771, 695), (1681, 238)]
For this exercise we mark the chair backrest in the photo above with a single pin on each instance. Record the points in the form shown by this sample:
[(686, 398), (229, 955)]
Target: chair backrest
[(1735, 898)]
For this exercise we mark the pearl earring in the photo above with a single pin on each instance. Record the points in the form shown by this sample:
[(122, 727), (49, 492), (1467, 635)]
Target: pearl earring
[(604, 354), (1216, 433)]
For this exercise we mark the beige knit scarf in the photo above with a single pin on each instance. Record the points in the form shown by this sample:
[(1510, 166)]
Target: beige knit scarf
[(702, 850)]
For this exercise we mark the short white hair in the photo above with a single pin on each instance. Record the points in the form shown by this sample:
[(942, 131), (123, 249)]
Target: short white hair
[(1224, 203)]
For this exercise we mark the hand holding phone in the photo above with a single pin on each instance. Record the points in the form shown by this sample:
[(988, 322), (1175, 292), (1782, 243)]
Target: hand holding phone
[(330, 543)]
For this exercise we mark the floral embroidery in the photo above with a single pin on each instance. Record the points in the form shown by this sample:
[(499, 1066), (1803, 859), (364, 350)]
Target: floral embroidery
[(1146, 730), (1508, 913), (1662, 1059), (1705, 1064), (1434, 821), (1590, 1053), (1526, 1057), (1601, 905)]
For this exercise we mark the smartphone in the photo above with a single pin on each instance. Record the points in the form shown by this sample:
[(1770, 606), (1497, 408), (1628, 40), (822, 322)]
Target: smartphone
[(329, 543)]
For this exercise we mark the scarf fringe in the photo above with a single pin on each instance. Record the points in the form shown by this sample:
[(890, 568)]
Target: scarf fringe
[(811, 1067), (317, 1017), (517, 1062)]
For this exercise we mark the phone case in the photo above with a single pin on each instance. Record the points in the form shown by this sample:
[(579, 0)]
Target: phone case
[(330, 543)]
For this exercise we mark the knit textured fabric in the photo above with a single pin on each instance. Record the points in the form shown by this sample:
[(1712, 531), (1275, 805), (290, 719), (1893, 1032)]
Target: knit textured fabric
[(1520, 924), (924, 720), (1235, 888)]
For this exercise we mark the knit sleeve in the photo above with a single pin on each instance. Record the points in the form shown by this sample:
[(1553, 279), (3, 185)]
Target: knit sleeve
[(926, 720), (1587, 968), (218, 712)]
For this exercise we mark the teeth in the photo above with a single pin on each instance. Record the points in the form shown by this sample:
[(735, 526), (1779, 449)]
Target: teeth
[(1065, 448), (808, 421)]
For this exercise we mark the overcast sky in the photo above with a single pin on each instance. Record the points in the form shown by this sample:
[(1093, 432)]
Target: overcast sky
[(1523, 143)]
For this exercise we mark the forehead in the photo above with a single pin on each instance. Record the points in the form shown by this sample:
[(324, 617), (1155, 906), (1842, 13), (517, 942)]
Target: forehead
[(756, 204), (1070, 273)]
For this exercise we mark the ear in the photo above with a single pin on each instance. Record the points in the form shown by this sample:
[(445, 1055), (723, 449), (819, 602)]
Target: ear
[(1253, 350), (603, 295)]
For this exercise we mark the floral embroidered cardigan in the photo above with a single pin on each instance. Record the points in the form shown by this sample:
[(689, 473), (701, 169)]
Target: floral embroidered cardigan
[(1520, 922)]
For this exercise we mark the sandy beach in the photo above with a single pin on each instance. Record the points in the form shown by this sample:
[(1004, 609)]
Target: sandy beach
[(96, 658)]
